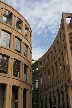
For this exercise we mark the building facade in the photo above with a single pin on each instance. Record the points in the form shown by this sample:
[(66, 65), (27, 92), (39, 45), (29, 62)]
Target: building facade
[(35, 85), (15, 59), (55, 69)]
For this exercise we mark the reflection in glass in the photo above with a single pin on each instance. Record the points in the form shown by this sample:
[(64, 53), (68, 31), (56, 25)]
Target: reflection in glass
[(3, 64), (17, 44), (5, 39), (16, 68)]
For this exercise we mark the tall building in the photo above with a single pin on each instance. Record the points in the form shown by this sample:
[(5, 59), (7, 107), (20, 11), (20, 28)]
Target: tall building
[(15, 59), (55, 69), (35, 85)]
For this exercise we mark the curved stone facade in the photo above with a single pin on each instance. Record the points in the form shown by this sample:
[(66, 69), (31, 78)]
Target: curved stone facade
[(15, 59), (55, 69)]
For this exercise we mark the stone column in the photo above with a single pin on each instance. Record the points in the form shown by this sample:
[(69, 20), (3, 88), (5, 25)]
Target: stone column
[(8, 96)]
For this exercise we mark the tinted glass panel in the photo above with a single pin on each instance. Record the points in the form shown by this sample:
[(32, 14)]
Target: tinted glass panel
[(5, 39), (16, 68), (3, 64), (17, 44)]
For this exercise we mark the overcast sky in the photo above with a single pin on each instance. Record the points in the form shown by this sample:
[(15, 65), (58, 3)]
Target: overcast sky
[(44, 17)]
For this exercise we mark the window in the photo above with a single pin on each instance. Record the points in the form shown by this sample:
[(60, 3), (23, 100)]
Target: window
[(41, 80), (48, 76), (56, 70), (52, 73), (7, 17), (26, 31), (25, 71), (18, 24), (25, 50), (40, 64), (54, 49), (4, 64), (5, 39), (36, 83), (44, 78), (43, 61), (17, 44), (16, 68)]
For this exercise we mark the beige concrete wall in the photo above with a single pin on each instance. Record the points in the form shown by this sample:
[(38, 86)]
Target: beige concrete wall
[(8, 78)]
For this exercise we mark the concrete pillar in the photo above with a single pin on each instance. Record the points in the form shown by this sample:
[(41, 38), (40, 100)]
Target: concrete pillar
[(43, 101), (13, 20), (20, 102), (8, 96), (31, 99), (28, 35), (28, 99), (28, 53), (65, 99), (28, 75), (60, 99), (1, 14), (22, 27), (21, 70), (56, 100), (10, 67), (22, 48), (12, 43)]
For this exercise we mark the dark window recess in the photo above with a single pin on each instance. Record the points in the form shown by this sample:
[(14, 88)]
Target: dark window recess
[(18, 24), (17, 44), (24, 98), (25, 71), (7, 17), (25, 50), (16, 68), (26, 31), (14, 97), (2, 95), (4, 64)]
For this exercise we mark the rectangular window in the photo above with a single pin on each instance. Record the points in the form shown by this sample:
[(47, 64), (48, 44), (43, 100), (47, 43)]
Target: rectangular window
[(52, 73), (40, 64), (5, 39), (41, 80), (7, 17), (36, 82), (14, 97), (16, 68), (25, 50), (44, 78), (25, 71), (18, 24), (49, 76), (56, 70), (2, 95), (26, 31), (17, 44), (4, 64)]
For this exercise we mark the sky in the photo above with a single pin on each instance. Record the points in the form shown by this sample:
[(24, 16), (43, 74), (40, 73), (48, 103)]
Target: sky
[(44, 17)]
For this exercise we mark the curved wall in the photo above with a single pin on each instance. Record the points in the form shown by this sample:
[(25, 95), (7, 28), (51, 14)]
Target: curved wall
[(55, 69), (15, 58)]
